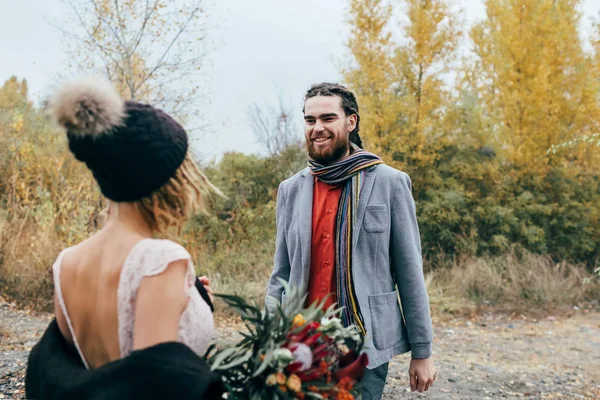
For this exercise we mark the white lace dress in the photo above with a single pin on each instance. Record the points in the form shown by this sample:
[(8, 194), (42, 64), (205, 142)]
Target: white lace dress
[(151, 257)]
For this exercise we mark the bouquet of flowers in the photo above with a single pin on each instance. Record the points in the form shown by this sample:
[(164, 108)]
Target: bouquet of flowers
[(294, 353)]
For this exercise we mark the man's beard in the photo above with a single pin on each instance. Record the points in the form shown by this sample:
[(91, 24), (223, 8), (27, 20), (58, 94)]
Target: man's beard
[(331, 154)]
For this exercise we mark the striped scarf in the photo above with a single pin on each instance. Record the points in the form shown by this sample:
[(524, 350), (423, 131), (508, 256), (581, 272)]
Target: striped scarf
[(351, 171)]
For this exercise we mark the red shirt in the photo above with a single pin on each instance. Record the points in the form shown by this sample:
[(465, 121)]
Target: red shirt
[(321, 282)]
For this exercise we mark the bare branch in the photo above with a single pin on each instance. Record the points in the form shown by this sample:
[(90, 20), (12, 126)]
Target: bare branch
[(98, 45), (274, 127), (181, 30), (122, 42), (149, 11)]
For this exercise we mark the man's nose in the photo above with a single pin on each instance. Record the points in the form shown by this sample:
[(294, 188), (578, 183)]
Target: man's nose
[(319, 127)]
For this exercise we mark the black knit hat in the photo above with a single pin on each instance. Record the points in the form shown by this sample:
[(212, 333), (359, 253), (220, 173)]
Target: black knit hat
[(132, 149)]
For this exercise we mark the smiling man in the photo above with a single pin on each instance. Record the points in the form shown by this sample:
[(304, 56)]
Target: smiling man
[(347, 232)]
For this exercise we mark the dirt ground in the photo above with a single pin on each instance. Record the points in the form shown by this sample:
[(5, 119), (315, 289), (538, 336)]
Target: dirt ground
[(490, 356)]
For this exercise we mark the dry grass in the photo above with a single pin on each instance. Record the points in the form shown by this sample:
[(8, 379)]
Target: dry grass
[(26, 263), (47, 200), (527, 283)]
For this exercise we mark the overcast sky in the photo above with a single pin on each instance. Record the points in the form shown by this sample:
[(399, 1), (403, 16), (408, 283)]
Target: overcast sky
[(263, 47)]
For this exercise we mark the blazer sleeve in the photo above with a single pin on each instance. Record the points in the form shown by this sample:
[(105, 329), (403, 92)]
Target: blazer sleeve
[(281, 261), (407, 267)]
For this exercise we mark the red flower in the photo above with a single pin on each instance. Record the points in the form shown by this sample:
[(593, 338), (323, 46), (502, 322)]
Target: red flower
[(321, 351), (294, 367), (312, 339), (311, 374), (355, 370), (299, 337)]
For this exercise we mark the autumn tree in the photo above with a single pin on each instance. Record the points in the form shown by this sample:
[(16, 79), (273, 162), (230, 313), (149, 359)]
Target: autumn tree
[(371, 73), (536, 81), (432, 34), (14, 94), (400, 81), (152, 50)]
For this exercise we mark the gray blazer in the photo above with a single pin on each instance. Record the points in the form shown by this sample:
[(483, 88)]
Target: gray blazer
[(386, 262)]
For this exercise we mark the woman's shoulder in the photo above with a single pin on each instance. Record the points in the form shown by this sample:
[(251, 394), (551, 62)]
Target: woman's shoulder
[(81, 246), (56, 266), (153, 256), (164, 246)]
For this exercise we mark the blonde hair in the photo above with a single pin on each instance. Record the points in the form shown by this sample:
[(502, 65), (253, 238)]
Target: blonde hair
[(186, 193)]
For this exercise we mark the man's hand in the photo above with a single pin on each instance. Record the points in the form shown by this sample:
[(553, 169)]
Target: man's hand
[(206, 282), (422, 374)]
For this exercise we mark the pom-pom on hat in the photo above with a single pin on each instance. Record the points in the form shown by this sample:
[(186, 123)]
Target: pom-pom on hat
[(132, 149)]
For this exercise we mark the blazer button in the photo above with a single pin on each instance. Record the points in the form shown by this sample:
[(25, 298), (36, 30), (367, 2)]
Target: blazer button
[(327, 235)]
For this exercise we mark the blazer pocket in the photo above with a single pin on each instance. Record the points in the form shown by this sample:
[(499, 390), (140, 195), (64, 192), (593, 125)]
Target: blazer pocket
[(386, 320), (375, 218)]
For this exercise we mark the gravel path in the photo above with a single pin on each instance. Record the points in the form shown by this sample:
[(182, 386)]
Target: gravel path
[(500, 357), (486, 357)]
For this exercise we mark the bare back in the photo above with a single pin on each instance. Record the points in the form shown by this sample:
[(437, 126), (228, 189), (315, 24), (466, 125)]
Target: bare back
[(112, 286), (89, 279)]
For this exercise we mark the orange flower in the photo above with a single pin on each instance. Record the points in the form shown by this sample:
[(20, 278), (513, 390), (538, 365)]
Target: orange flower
[(294, 383), (344, 395), (324, 366), (283, 388), (281, 378), (313, 389), (298, 321), (346, 383), (300, 395)]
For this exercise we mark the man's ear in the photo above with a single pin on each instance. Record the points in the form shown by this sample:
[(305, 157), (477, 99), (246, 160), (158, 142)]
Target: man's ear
[(351, 122)]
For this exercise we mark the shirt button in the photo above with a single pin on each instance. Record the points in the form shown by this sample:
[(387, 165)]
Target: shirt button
[(330, 211), (327, 235)]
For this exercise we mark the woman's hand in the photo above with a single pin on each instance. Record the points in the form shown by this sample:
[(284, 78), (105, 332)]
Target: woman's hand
[(206, 282)]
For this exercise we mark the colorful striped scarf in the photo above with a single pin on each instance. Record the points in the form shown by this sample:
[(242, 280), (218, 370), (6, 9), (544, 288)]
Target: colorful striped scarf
[(351, 171)]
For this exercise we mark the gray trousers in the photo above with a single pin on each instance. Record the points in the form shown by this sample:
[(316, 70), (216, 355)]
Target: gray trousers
[(371, 386)]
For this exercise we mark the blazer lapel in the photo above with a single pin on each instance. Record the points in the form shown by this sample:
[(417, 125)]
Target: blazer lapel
[(365, 193), (305, 223)]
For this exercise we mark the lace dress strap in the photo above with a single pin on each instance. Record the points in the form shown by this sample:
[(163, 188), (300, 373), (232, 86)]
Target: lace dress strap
[(61, 301), (149, 257)]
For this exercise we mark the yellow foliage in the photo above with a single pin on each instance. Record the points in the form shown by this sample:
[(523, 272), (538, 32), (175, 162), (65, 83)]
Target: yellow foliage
[(38, 172), (48, 199), (13, 94), (371, 75), (17, 123), (399, 85), (537, 83)]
